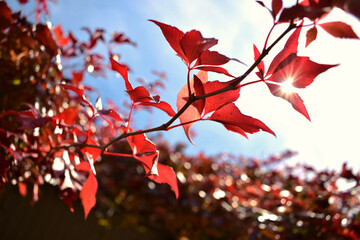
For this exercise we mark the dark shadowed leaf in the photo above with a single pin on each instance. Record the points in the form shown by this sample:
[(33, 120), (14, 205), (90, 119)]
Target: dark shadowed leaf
[(339, 30), (311, 35)]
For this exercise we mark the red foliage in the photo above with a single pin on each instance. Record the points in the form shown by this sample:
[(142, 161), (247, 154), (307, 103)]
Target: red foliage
[(50, 132)]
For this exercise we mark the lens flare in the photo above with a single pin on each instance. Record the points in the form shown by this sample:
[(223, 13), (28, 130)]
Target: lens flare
[(287, 86)]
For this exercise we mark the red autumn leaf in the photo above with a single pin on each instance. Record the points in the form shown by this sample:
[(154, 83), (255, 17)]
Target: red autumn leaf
[(311, 35), (77, 77), (111, 114), (22, 188), (339, 30), (215, 102), (212, 58), (293, 98), (188, 46), (276, 7), (301, 70), (173, 36), (143, 150), (304, 10), (140, 94), (199, 90), (215, 69), (166, 175), (67, 116), (88, 193), (123, 71), (193, 44), (231, 117), (79, 92), (160, 105), (290, 47), (261, 65), (59, 36), (192, 112), (93, 151), (44, 35), (5, 15), (83, 166)]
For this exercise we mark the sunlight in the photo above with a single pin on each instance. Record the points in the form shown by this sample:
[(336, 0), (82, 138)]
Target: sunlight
[(287, 86)]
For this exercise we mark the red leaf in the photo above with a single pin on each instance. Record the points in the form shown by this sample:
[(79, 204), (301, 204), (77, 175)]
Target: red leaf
[(301, 70), (215, 102), (290, 47), (123, 71), (5, 15), (59, 36), (234, 120), (276, 7), (83, 166), (67, 116), (77, 77), (166, 175), (44, 35), (79, 92), (199, 90), (192, 112), (293, 98), (161, 105), (22, 189), (143, 150), (140, 94), (173, 36), (88, 193), (110, 113), (261, 65), (93, 151), (193, 44), (212, 58), (214, 69), (311, 35), (339, 30)]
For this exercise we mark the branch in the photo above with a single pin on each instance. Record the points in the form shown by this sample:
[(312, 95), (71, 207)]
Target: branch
[(191, 100)]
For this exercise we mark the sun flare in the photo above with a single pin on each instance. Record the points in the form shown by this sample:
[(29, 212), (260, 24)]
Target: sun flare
[(287, 86)]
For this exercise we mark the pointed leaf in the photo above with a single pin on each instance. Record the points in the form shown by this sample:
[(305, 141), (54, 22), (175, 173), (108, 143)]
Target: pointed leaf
[(215, 102), (143, 150), (191, 113), (212, 58), (230, 115), (199, 90), (339, 30), (173, 36), (161, 105), (123, 71), (293, 98), (93, 151), (311, 35), (215, 69), (193, 44), (166, 175), (301, 70), (59, 36), (261, 65), (276, 7), (290, 47), (140, 94), (111, 113), (88, 193)]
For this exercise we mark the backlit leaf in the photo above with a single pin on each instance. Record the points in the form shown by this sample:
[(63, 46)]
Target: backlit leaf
[(339, 30), (166, 175), (88, 193), (231, 117)]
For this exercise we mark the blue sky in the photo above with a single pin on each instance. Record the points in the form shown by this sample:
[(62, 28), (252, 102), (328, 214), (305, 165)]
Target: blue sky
[(332, 100)]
